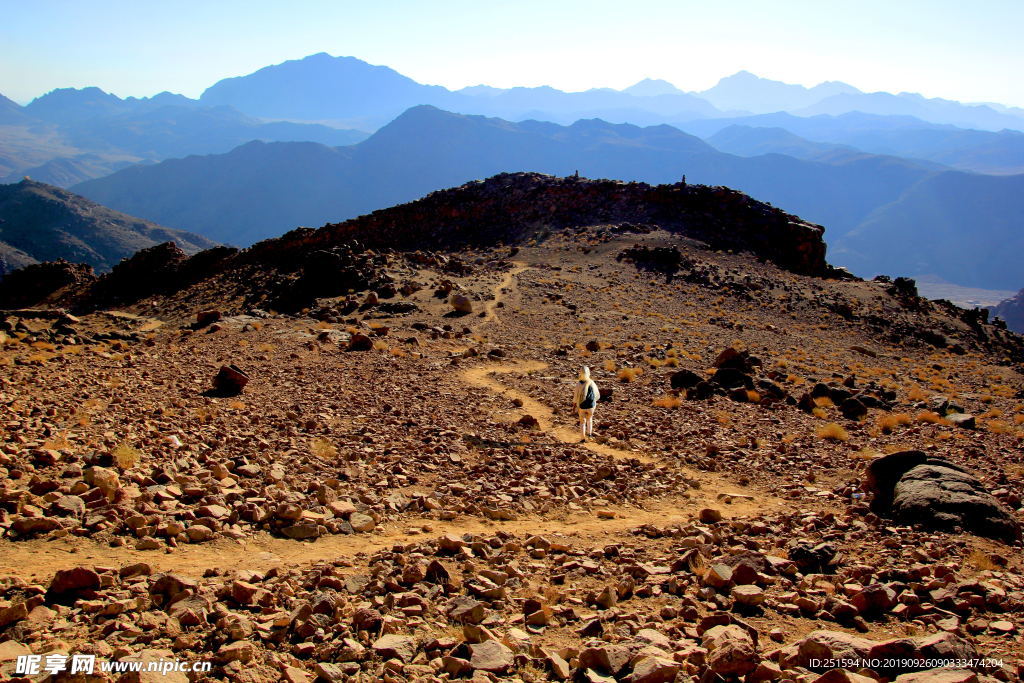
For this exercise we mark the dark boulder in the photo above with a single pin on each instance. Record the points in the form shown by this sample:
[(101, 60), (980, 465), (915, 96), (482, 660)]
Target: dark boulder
[(731, 378), (915, 488), (685, 379), (230, 380), (853, 409)]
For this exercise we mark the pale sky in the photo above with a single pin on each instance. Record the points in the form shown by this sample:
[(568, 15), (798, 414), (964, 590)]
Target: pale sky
[(940, 48)]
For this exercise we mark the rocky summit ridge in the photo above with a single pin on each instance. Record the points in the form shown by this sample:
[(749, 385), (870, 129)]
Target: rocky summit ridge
[(508, 208)]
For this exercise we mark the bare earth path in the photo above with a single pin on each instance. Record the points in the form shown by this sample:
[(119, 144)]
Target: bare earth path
[(38, 559)]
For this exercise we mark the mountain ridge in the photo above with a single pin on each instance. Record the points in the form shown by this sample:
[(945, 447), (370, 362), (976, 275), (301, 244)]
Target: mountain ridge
[(40, 222)]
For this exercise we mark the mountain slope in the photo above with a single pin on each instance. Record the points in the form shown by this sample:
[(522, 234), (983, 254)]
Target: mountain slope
[(40, 222), (962, 226), (748, 141)]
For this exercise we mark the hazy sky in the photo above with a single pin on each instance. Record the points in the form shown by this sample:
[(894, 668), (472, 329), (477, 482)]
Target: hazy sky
[(970, 51)]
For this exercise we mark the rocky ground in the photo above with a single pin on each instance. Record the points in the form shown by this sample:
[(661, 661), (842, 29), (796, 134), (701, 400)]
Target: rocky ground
[(399, 491)]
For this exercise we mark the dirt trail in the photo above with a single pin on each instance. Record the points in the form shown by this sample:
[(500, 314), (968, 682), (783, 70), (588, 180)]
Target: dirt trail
[(37, 560), (490, 314), (482, 377)]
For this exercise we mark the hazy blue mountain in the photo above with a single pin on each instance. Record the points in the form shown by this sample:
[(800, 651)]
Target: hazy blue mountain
[(905, 136), (70, 135), (348, 90), (936, 110), (11, 112), (39, 222), (173, 131), (72, 105), (964, 227), (747, 141), (260, 190), (652, 87), (68, 171), (743, 91), (321, 87)]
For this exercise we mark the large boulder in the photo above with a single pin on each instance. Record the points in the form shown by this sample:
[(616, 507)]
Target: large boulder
[(915, 488)]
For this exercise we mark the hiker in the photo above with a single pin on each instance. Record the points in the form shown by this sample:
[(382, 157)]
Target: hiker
[(585, 397)]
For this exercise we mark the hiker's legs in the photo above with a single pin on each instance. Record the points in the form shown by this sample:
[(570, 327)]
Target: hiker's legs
[(587, 421)]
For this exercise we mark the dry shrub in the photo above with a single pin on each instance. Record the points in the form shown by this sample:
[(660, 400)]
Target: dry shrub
[(609, 365), (999, 427), (824, 402), (667, 401), (789, 438), (832, 432), (916, 393), (981, 561), (753, 396), (125, 456), (723, 418), (654, 362), (930, 417), (1018, 419), (889, 422), (380, 346), (266, 346), (398, 353), (629, 374), (819, 413), (866, 453), (57, 443), (205, 414), (323, 449), (236, 405)]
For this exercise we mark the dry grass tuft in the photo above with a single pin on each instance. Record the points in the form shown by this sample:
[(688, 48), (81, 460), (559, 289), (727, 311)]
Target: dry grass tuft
[(323, 449), (57, 443), (629, 374), (889, 422), (125, 456), (609, 365), (931, 417), (819, 413), (999, 427), (916, 393), (824, 402), (832, 432), (753, 396), (667, 401), (981, 561)]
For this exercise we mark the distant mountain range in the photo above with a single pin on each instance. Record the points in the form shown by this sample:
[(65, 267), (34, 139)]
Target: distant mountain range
[(876, 208), (863, 164), (349, 91), (40, 222), (69, 135)]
